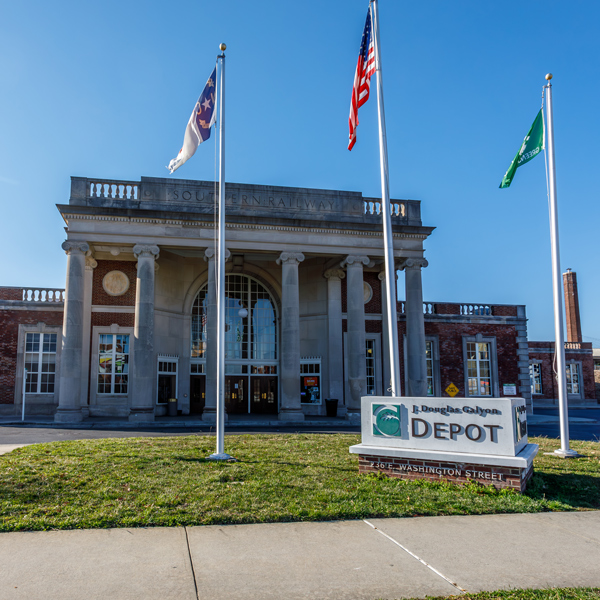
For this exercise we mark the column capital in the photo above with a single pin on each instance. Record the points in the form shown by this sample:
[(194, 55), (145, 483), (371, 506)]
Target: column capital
[(146, 250), (381, 275), (71, 247), (290, 257), (334, 274), (355, 259), (90, 263), (412, 263), (210, 254)]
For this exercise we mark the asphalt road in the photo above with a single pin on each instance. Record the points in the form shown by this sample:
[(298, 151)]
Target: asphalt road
[(589, 430), (28, 434)]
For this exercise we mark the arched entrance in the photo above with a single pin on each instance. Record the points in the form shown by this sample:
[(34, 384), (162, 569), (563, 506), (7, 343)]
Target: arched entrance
[(251, 348)]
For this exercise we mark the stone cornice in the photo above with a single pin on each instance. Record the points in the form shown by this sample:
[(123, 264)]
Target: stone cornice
[(250, 226)]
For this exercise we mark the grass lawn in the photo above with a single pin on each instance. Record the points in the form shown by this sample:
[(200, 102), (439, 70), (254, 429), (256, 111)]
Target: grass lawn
[(551, 594), (141, 482)]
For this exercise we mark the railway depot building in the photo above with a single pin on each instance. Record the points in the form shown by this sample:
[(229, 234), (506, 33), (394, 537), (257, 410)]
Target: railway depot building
[(305, 320)]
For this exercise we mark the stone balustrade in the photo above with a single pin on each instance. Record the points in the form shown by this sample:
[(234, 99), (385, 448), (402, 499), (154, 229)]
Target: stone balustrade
[(108, 188), (373, 207), (43, 295), (466, 310), (475, 309), (32, 294)]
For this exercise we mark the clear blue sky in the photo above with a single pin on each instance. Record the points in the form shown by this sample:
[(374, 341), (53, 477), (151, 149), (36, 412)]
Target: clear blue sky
[(105, 90)]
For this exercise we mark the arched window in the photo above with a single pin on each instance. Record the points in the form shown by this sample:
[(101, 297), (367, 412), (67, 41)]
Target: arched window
[(248, 337)]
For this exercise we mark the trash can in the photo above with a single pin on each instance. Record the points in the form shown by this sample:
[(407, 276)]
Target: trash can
[(172, 407), (331, 405)]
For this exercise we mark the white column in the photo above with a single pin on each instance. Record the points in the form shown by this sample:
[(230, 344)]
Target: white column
[(356, 339), (69, 400), (416, 366), (90, 265), (291, 409), (335, 343), (144, 363)]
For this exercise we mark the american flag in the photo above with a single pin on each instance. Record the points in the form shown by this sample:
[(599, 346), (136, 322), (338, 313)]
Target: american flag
[(362, 79)]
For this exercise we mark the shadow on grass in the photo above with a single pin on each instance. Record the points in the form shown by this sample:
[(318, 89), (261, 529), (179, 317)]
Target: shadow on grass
[(577, 491)]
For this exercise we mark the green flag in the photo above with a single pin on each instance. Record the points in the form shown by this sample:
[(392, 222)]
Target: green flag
[(532, 145)]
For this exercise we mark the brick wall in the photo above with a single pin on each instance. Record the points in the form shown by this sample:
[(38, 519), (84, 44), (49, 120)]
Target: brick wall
[(106, 319), (450, 336), (100, 297), (543, 352), (11, 293), (9, 333)]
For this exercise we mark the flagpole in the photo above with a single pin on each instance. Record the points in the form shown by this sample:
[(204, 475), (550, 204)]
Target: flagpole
[(388, 240), (564, 451), (220, 453)]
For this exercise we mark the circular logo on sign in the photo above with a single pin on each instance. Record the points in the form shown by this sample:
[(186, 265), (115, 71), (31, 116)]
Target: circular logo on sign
[(387, 420), (115, 283)]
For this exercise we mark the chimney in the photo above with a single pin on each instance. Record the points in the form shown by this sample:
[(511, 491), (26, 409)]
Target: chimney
[(572, 307)]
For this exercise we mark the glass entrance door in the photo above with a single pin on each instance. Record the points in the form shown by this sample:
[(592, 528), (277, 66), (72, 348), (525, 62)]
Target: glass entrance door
[(263, 395), (236, 398), (197, 394)]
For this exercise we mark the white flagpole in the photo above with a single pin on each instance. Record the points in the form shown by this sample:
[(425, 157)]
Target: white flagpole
[(557, 283), (220, 453), (390, 270)]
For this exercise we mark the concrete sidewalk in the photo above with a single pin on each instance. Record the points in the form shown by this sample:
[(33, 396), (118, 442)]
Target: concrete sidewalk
[(378, 558)]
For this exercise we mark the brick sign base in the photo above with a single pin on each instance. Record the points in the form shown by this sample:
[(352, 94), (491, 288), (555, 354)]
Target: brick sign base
[(403, 468)]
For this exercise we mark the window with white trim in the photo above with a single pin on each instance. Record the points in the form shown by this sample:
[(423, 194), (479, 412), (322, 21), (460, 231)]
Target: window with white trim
[(310, 381), (479, 369), (573, 384), (40, 362), (113, 363), (429, 367), (370, 365), (535, 375)]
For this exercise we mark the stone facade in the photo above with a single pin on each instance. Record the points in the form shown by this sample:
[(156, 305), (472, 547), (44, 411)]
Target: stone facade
[(306, 266)]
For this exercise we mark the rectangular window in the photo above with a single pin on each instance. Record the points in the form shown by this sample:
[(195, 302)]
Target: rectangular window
[(167, 379), (479, 372), (310, 382), (370, 360), (573, 379), (40, 362), (113, 363), (429, 365), (535, 374)]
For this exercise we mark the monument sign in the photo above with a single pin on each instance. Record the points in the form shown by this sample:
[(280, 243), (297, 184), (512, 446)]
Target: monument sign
[(457, 439)]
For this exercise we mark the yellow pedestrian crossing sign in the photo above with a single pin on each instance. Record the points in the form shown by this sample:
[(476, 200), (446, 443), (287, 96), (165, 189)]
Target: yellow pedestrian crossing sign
[(451, 390)]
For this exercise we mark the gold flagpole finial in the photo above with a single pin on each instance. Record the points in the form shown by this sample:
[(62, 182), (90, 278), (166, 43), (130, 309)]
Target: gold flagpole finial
[(549, 76), (222, 47)]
